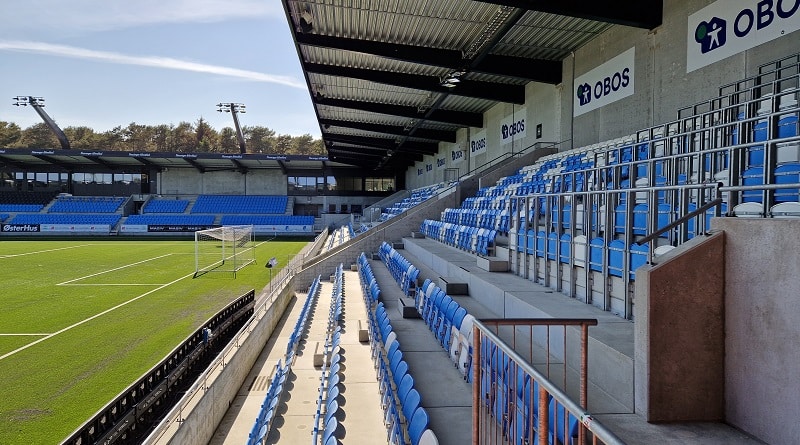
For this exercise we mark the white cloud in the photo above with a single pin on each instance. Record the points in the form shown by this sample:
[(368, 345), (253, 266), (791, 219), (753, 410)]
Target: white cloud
[(100, 15), (150, 61)]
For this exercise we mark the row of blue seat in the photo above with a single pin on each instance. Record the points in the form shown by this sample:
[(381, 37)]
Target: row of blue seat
[(471, 239), (449, 322), (417, 197), (491, 219), (84, 204), (403, 272), (266, 414), (405, 418), (165, 206), (243, 204), (3, 216), (21, 207), (327, 400)]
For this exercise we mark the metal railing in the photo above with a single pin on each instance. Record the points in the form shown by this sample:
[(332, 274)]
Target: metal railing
[(514, 401), (263, 309)]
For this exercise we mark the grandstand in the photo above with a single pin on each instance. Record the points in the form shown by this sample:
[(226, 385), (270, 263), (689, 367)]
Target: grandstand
[(630, 282)]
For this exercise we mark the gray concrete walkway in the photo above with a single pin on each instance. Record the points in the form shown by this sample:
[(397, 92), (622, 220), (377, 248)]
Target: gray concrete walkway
[(360, 415)]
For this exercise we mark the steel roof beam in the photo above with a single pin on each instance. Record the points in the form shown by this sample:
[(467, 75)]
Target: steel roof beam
[(637, 13), (423, 133), (194, 164), (469, 88), (547, 71), (460, 118), (52, 161), (388, 144)]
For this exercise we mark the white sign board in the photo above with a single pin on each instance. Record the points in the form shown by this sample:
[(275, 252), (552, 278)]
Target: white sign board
[(457, 155), (513, 126), (728, 27), (477, 143), (605, 84)]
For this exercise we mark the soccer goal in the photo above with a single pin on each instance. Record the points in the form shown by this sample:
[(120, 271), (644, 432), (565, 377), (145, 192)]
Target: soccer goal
[(223, 249)]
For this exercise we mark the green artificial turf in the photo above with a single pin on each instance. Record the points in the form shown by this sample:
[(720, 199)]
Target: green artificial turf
[(96, 316)]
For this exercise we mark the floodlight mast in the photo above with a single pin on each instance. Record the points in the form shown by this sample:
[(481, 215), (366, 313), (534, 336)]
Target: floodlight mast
[(38, 104), (234, 109)]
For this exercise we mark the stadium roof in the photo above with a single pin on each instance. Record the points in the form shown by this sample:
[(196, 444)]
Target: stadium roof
[(377, 71), (98, 160)]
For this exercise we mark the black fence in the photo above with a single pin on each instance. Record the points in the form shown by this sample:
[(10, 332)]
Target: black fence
[(136, 411)]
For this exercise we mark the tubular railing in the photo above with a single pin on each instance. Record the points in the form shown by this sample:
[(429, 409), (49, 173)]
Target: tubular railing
[(515, 402), (178, 413)]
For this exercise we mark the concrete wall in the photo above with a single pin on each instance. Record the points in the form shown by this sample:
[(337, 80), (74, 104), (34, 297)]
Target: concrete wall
[(201, 423), (369, 242), (762, 319), (679, 334), (186, 181)]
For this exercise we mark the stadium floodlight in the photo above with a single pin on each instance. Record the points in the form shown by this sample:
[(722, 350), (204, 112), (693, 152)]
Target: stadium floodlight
[(223, 249), (37, 103), (234, 109)]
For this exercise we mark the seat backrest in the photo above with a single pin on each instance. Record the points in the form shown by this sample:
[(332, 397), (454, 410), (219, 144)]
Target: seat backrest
[(406, 384), (418, 424), (330, 429), (410, 402), (458, 316), (428, 438)]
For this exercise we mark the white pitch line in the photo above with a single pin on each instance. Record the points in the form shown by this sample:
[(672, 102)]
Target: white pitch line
[(43, 251), (113, 284), (21, 335), (112, 270), (22, 348)]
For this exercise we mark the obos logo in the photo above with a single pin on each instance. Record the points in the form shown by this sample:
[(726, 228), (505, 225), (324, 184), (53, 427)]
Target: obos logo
[(456, 155), (513, 129), (604, 87), (477, 145), (584, 93), (713, 34), (440, 162)]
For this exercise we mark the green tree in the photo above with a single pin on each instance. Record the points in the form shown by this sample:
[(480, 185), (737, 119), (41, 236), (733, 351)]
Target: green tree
[(284, 144), (207, 138), (82, 137), (183, 138), (228, 142), (138, 137), (37, 136), (259, 139), (161, 136), (113, 139), (304, 145), (9, 133)]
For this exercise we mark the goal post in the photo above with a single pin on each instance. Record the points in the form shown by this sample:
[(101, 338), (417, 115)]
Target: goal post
[(223, 249)]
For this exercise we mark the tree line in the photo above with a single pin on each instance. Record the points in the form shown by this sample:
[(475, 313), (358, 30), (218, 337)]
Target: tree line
[(186, 137)]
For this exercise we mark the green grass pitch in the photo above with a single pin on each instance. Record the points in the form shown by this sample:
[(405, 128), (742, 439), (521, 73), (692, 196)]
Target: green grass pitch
[(82, 320)]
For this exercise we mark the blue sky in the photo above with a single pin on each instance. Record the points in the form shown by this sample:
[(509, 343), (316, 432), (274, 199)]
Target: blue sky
[(103, 63)]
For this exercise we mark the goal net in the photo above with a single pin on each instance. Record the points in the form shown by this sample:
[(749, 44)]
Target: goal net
[(223, 249)]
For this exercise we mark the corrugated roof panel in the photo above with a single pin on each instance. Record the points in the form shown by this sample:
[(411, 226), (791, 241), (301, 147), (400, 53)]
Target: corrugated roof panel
[(540, 35), (336, 57), (357, 89)]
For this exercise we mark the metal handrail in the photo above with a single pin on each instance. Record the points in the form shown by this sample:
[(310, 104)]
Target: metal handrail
[(600, 431), (679, 221)]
